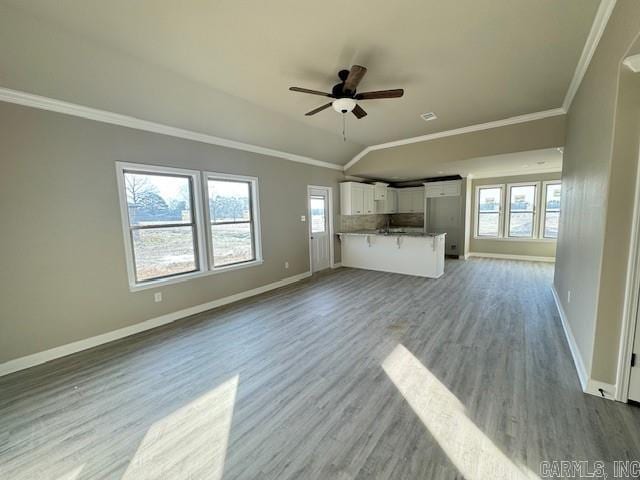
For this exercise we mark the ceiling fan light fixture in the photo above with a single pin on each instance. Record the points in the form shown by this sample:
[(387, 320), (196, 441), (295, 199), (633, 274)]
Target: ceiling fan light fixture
[(344, 105)]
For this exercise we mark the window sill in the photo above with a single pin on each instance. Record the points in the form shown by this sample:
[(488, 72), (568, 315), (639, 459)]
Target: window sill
[(517, 239), (190, 276)]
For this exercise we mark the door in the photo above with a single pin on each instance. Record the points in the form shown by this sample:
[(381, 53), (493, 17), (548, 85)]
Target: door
[(320, 238), (357, 200), (404, 201), (417, 201), (369, 203), (634, 380)]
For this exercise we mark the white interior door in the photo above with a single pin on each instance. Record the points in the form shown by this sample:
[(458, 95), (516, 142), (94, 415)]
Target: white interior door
[(319, 217), (634, 381)]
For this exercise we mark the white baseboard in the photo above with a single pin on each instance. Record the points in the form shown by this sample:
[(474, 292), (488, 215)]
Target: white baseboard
[(608, 391), (573, 346), (336, 265), (64, 350), (503, 256)]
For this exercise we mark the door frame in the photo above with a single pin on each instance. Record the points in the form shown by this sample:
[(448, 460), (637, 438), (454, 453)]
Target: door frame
[(630, 310), (329, 191)]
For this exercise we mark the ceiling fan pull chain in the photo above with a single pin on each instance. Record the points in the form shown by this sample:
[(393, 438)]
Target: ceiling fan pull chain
[(344, 137)]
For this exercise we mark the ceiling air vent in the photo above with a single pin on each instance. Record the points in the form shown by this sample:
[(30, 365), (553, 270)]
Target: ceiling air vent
[(428, 116)]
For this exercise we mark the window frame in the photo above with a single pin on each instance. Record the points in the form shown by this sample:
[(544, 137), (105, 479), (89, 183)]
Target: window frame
[(503, 225), (127, 229), (535, 216), (254, 208), (543, 208), (200, 215), (325, 226), (501, 210)]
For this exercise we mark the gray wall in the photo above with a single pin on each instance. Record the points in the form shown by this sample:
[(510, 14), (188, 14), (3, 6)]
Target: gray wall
[(597, 194), (510, 247), (63, 276), (618, 226)]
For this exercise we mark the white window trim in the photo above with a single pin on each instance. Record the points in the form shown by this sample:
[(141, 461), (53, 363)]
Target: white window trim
[(535, 219), (500, 213), (200, 204), (505, 206), (543, 208), (255, 217)]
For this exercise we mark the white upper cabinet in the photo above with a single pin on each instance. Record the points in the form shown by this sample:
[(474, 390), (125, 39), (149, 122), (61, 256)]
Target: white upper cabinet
[(356, 199), (411, 200), (369, 203), (380, 191), (389, 204), (449, 188)]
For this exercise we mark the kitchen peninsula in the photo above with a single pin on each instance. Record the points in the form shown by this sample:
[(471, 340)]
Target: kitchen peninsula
[(394, 250)]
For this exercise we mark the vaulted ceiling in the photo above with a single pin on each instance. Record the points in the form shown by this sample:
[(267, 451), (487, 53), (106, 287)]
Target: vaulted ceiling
[(223, 67)]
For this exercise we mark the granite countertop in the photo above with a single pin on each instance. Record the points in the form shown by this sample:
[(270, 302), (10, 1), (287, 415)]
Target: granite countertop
[(392, 233)]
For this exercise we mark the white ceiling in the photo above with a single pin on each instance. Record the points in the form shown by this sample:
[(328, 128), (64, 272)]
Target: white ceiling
[(469, 61)]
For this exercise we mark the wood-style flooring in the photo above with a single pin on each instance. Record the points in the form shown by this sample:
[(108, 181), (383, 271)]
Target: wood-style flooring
[(349, 375)]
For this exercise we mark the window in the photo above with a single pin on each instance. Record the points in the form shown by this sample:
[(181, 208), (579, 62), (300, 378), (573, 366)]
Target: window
[(522, 210), (232, 219), (551, 209), (510, 212), (161, 222), (489, 216), (318, 222), (167, 230)]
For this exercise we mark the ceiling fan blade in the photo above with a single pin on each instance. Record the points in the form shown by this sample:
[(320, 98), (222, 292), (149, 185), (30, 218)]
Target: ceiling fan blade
[(312, 92), (397, 93), (355, 76), (359, 112), (319, 109)]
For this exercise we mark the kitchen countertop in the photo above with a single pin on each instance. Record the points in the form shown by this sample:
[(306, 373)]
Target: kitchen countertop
[(392, 233)]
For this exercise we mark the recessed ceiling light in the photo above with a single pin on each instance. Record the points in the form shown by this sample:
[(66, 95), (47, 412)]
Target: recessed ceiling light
[(428, 116)]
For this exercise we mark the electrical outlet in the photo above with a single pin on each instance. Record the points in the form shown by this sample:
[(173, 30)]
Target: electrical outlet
[(157, 297), (303, 218), (568, 296), (286, 265)]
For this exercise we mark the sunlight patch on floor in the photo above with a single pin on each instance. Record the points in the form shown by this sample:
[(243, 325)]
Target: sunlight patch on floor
[(190, 442), (474, 455)]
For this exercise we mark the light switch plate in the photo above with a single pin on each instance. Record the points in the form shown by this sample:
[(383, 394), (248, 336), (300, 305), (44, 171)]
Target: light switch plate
[(303, 218)]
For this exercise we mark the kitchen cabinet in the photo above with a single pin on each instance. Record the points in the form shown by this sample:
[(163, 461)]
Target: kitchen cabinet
[(380, 191), (356, 199), (411, 200), (442, 189), (389, 204)]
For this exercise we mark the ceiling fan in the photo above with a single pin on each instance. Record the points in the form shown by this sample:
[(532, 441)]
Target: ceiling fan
[(346, 95)]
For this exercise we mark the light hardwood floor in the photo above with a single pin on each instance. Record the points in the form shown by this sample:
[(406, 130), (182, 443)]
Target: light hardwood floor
[(349, 375)]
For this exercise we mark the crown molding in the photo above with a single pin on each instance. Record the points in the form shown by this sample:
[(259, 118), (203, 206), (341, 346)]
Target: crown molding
[(632, 63), (459, 131), (514, 173), (595, 34), (67, 108)]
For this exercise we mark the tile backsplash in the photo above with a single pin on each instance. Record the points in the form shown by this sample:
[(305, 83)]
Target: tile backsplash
[(407, 220), (352, 223)]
